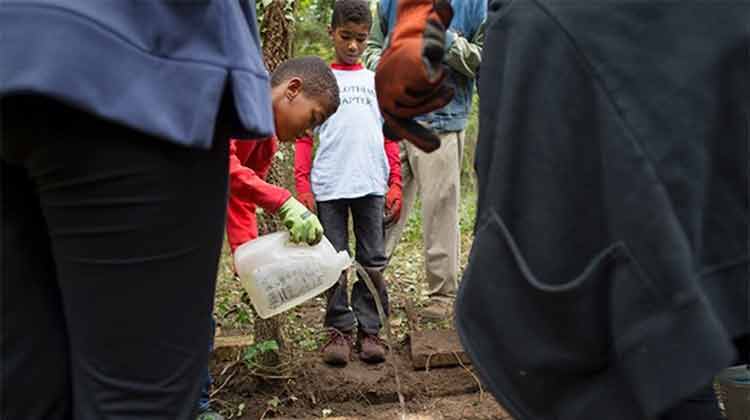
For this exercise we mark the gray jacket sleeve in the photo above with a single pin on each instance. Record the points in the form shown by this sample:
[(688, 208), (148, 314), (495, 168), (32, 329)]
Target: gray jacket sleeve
[(465, 55)]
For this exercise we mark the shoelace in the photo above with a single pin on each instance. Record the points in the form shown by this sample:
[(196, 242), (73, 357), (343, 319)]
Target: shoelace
[(335, 335), (376, 339)]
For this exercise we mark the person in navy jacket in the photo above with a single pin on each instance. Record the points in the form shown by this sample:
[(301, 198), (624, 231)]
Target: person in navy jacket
[(609, 273), (116, 119), (608, 277)]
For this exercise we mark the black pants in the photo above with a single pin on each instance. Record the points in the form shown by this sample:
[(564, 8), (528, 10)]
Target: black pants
[(367, 217), (110, 243)]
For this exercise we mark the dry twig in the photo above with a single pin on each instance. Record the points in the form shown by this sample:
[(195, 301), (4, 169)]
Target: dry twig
[(481, 390)]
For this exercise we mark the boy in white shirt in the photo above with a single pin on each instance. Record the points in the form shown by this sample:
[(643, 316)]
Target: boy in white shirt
[(355, 170)]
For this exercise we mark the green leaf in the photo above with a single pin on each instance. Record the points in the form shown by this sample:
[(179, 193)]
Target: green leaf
[(274, 402), (268, 345), (253, 351)]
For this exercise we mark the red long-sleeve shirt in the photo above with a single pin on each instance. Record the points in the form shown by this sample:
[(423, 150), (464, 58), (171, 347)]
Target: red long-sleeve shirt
[(249, 163)]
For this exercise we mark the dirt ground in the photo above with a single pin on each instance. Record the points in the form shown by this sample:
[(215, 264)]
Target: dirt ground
[(355, 391), (308, 389)]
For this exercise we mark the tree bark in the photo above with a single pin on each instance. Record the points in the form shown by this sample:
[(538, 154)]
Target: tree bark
[(276, 35)]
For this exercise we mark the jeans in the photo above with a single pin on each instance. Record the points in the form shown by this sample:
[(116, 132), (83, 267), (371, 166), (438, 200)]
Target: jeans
[(367, 215), (206, 381)]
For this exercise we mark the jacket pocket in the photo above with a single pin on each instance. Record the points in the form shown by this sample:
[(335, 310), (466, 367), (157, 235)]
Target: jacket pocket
[(571, 349)]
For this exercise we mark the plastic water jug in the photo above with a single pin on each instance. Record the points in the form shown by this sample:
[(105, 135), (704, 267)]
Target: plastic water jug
[(734, 392), (279, 275)]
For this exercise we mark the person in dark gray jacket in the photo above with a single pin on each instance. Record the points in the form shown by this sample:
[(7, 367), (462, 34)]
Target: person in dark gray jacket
[(116, 118), (608, 278)]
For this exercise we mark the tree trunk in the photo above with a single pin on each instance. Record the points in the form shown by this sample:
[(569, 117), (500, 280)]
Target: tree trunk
[(276, 35)]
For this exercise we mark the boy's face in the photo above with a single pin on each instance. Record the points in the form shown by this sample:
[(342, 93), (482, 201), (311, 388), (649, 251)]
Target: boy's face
[(295, 113), (349, 41)]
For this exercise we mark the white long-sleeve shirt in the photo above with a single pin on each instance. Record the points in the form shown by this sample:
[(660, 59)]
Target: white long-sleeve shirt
[(350, 161)]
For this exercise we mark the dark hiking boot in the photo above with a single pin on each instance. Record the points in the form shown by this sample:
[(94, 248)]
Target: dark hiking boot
[(338, 349), (371, 348)]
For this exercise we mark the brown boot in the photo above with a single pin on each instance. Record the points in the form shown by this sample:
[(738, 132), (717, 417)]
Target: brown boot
[(371, 348), (438, 308), (338, 349)]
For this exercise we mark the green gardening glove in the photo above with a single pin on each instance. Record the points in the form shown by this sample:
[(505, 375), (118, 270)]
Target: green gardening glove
[(303, 226)]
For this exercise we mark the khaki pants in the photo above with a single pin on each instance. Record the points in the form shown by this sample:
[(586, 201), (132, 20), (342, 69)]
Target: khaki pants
[(437, 177)]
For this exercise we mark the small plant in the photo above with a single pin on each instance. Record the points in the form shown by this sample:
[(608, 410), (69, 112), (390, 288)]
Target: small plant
[(255, 350), (243, 315), (274, 402)]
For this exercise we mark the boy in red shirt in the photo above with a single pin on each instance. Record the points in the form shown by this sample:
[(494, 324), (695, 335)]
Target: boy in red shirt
[(304, 94)]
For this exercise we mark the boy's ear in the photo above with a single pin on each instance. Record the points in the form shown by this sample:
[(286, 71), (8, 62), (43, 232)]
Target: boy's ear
[(293, 88), (330, 31)]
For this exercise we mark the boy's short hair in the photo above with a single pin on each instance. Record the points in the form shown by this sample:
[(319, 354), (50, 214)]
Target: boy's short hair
[(357, 11), (318, 81)]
